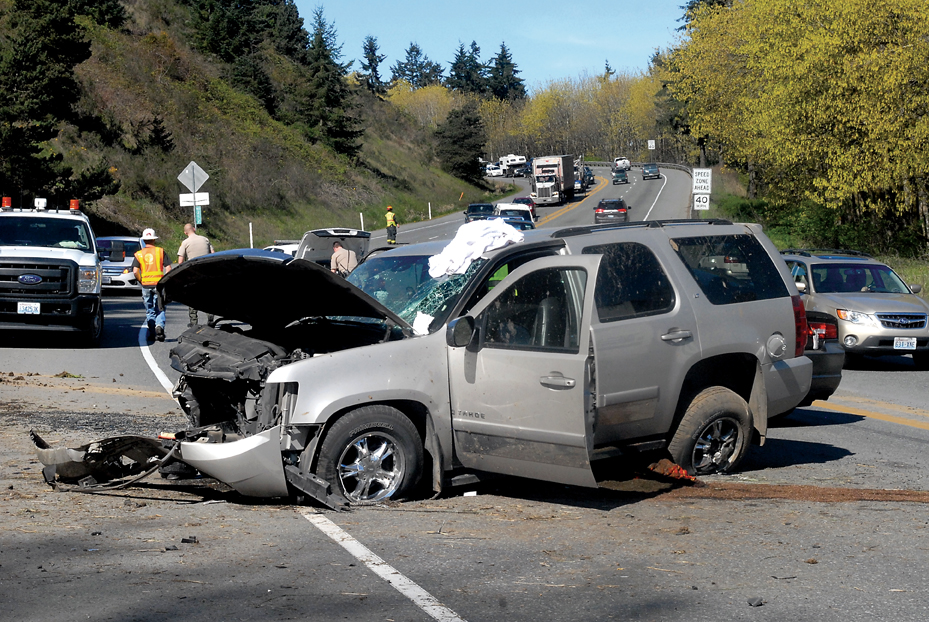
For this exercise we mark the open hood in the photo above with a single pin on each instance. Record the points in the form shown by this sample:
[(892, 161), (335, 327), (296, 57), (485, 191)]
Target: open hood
[(266, 289)]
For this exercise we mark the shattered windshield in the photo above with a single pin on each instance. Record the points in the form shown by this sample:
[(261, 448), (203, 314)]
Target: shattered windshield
[(402, 284), (48, 232)]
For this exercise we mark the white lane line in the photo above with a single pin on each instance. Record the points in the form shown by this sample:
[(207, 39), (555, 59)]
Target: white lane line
[(147, 355), (663, 184), (420, 597)]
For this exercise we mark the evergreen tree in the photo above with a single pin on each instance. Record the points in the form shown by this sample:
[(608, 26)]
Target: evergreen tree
[(466, 73), (287, 33), (160, 137), (37, 90), (229, 28), (502, 79), (369, 66), (108, 13), (249, 75), (417, 69), (327, 110), (461, 141)]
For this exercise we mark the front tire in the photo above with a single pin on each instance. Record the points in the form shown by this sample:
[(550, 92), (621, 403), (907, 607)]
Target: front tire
[(714, 434), (372, 454), (93, 331)]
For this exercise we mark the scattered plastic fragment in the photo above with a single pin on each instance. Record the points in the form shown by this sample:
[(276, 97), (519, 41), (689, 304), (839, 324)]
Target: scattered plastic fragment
[(755, 602)]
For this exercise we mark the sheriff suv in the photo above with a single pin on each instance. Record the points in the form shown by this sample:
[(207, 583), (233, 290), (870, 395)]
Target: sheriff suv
[(535, 356), (50, 275)]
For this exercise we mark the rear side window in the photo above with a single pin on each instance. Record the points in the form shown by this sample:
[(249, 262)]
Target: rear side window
[(731, 268), (630, 283)]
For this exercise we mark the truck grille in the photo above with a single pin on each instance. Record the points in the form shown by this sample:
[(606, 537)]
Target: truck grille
[(544, 193), (902, 320), (57, 278)]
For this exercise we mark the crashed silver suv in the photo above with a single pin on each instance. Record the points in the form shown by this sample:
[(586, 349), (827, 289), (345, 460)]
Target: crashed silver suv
[(878, 314), (533, 356)]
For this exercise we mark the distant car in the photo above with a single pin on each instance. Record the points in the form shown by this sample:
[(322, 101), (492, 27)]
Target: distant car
[(478, 211), (650, 171), (620, 176), (878, 314), (526, 201), (579, 186), (513, 210), (520, 223), (611, 210), (116, 254), (290, 249), (589, 176), (622, 162), (521, 171), (494, 170)]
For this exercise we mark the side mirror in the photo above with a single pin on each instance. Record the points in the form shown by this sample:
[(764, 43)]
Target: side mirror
[(801, 287), (916, 288), (460, 332), (628, 208)]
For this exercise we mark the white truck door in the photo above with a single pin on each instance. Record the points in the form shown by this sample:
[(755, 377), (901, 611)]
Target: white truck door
[(520, 392)]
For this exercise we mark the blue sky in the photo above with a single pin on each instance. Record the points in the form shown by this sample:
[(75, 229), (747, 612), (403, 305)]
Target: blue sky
[(548, 40)]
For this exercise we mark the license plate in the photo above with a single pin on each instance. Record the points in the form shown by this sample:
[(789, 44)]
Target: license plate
[(31, 308), (107, 280), (904, 343)]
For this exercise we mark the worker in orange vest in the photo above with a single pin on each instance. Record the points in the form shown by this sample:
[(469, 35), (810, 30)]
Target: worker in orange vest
[(149, 265)]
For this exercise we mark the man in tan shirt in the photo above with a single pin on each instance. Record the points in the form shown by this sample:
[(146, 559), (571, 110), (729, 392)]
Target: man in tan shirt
[(343, 260), (194, 245)]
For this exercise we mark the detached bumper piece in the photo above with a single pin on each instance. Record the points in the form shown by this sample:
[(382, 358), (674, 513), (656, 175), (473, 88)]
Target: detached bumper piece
[(102, 465)]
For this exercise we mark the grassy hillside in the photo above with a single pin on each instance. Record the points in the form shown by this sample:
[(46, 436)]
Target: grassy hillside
[(152, 103)]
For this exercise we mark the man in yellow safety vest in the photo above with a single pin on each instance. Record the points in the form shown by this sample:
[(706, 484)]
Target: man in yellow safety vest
[(149, 265)]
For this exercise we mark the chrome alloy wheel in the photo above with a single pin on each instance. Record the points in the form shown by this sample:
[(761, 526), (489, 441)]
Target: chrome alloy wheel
[(717, 445), (371, 468)]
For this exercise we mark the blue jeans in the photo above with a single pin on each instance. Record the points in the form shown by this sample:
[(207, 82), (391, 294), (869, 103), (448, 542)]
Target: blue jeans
[(154, 311)]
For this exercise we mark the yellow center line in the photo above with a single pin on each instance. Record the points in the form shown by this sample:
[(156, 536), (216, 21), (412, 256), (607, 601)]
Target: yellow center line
[(870, 414), (567, 208)]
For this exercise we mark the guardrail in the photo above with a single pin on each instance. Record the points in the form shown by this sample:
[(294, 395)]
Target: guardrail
[(679, 167)]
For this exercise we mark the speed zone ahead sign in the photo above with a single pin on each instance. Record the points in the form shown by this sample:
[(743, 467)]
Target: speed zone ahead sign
[(703, 178), (701, 201)]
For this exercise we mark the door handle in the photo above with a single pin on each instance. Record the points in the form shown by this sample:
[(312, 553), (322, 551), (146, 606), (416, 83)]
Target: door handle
[(557, 382), (677, 335)]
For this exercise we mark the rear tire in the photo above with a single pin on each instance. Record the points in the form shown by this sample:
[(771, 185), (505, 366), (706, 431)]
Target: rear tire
[(372, 454), (714, 434)]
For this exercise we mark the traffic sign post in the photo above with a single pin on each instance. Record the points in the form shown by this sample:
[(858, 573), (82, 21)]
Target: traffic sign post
[(193, 177)]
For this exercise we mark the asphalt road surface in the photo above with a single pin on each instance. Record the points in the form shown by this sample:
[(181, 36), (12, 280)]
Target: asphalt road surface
[(827, 521)]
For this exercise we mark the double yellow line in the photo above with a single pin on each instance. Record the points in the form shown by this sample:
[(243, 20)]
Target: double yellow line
[(570, 206)]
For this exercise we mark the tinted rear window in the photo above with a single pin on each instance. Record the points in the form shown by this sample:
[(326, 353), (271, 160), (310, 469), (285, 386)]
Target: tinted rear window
[(731, 268), (630, 283)]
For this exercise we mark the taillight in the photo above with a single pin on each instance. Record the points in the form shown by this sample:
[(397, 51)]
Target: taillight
[(801, 328), (731, 259), (599, 210), (824, 330), (621, 210)]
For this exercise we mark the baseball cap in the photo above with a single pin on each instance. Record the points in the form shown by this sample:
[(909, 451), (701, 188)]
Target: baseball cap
[(149, 234)]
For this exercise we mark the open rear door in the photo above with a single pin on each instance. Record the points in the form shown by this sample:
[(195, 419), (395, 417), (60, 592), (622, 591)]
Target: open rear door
[(520, 392)]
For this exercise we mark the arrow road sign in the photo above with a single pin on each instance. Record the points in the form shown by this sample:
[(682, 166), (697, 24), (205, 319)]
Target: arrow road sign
[(193, 176)]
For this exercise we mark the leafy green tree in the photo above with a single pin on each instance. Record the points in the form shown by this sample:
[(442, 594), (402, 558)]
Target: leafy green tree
[(328, 108), (417, 69), (461, 141), (502, 77), (370, 66), (467, 74)]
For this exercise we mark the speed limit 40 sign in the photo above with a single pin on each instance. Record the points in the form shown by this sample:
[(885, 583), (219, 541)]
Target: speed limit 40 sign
[(701, 201)]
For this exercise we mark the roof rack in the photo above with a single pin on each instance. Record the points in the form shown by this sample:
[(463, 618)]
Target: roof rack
[(809, 252), (650, 224)]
